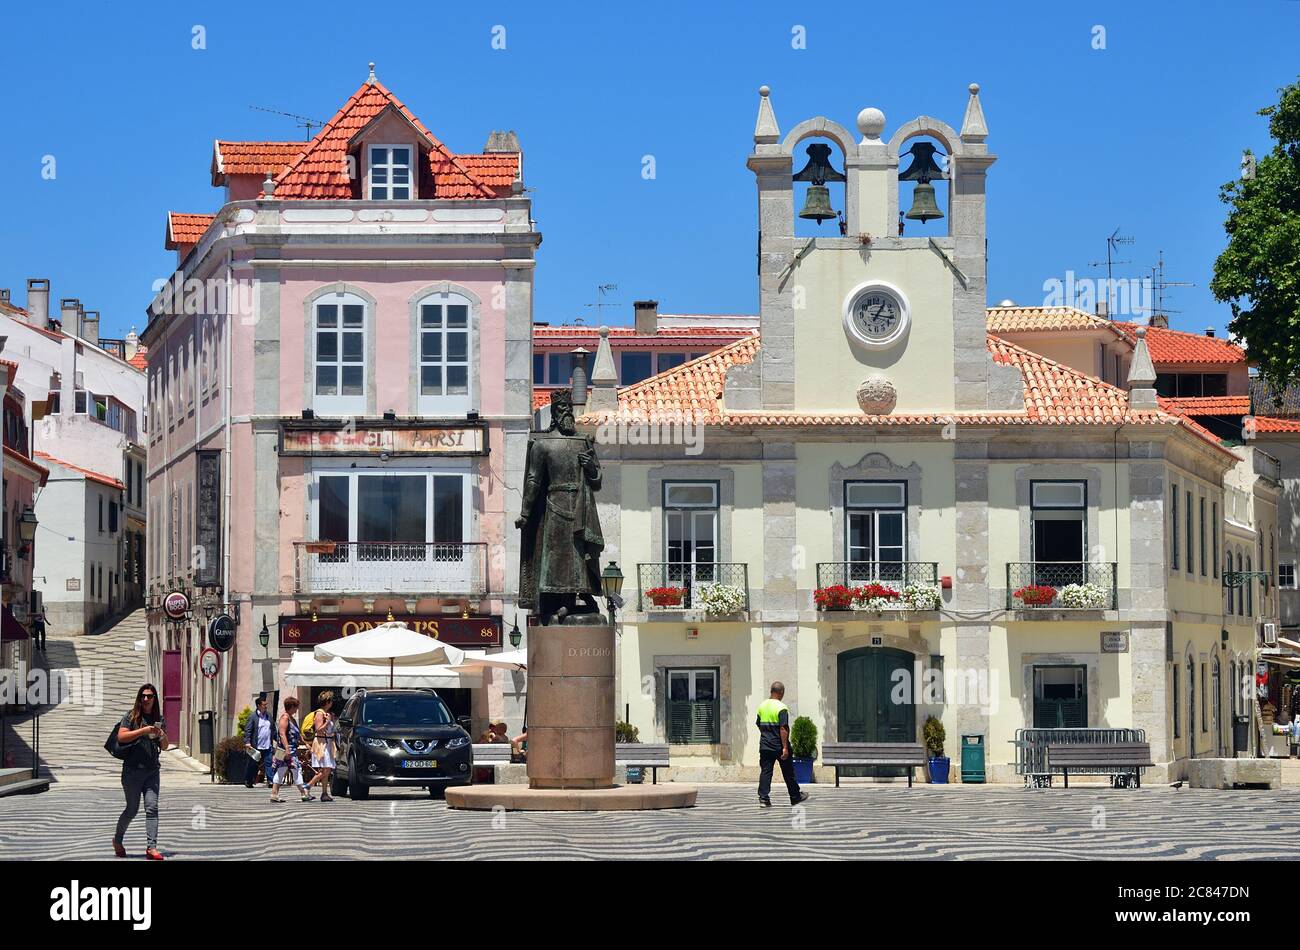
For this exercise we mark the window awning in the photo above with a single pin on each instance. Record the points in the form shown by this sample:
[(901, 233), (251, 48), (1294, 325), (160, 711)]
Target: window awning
[(11, 629)]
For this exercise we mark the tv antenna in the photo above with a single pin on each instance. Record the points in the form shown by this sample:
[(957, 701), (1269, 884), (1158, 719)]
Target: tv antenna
[(600, 304), (1113, 244), (1160, 284), (299, 120)]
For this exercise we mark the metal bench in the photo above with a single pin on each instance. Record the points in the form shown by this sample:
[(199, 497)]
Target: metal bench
[(649, 755), (1122, 761), (1031, 747), (491, 754), (854, 754)]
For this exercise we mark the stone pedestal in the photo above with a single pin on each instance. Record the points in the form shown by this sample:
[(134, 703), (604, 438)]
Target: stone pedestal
[(570, 707)]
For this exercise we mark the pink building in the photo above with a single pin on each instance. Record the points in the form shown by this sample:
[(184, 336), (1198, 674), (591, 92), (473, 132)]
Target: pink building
[(339, 375)]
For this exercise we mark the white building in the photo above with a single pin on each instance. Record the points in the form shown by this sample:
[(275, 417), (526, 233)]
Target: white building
[(85, 401)]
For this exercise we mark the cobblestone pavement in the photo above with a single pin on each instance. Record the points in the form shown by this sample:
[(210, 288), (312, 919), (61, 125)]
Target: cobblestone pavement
[(202, 821)]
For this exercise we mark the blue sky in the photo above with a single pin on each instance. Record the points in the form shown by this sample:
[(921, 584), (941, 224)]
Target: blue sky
[(1138, 135)]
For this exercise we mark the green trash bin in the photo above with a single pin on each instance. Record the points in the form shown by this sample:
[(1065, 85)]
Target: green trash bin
[(972, 759)]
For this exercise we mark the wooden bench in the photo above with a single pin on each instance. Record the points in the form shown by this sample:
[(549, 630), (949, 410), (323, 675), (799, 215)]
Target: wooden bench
[(649, 755), (1119, 760), (854, 754), (488, 755)]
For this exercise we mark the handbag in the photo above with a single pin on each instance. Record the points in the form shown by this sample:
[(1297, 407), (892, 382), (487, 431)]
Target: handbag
[(116, 749), (279, 756)]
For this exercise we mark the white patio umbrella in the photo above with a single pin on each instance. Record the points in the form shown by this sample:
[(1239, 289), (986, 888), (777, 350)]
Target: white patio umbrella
[(478, 660), (392, 644)]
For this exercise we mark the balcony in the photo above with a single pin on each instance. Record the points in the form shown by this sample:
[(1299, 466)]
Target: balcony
[(443, 568), (892, 573), (1061, 585), (689, 581)]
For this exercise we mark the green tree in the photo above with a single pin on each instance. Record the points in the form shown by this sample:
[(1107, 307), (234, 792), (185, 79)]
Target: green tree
[(1258, 273)]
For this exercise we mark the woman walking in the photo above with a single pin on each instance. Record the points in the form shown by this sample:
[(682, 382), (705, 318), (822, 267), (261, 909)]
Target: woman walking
[(322, 745), (286, 755), (142, 730)]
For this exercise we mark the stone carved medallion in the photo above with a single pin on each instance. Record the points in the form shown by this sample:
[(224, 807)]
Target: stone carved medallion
[(876, 396)]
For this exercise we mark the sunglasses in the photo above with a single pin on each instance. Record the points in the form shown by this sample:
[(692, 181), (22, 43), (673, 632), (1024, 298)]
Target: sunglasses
[(145, 696)]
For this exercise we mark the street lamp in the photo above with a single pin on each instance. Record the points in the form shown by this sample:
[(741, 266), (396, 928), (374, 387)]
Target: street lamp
[(611, 583), (516, 637), (264, 637), (27, 525)]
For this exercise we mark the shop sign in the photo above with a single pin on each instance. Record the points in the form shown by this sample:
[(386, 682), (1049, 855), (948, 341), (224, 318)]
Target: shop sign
[(1114, 642), (176, 605), (221, 632), (209, 663), (386, 440), (475, 632)]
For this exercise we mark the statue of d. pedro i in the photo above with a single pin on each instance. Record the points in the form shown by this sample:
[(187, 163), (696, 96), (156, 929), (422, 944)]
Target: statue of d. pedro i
[(559, 556)]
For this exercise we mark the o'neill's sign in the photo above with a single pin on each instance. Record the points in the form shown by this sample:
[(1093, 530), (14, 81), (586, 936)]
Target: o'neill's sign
[(472, 632)]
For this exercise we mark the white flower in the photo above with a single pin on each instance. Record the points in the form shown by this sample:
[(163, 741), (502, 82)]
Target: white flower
[(1084, 596), (719, 599), (921, 597)]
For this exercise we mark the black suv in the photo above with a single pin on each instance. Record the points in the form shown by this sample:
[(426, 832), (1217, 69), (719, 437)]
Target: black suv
[(400, 737)]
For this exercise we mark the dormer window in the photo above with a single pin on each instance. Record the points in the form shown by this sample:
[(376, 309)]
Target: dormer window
[(389, 170)]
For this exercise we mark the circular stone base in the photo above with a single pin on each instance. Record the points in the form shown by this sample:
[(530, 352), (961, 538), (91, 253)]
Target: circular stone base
[(618, 798)]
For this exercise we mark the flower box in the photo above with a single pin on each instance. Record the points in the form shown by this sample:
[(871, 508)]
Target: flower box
[(1035, 595), (663, 597), (1086, 596), (834, 597), (718, 600)]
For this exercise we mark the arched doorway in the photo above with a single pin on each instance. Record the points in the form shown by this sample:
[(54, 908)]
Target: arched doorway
[(867, 710), (1216, 709)]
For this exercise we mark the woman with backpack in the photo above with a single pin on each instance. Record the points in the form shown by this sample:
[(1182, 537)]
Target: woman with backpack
[(141, 740)]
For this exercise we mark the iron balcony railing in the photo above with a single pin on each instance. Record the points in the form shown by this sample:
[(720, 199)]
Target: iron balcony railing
[(1061, 585), (687, 579), (457, 568), (893, 573)]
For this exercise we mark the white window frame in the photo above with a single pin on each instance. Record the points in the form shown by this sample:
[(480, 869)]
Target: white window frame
[(393, 467), (444, 404), (1289, 567), (412, 153), (874, 511), (692, 515), (337, 404)]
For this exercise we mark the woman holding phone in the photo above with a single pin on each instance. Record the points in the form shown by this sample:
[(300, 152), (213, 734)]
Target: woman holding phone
[(142, 730)]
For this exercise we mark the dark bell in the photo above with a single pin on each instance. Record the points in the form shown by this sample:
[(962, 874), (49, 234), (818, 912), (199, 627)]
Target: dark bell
[(924, 208), (819, 170), (817, 207), (924, 167)]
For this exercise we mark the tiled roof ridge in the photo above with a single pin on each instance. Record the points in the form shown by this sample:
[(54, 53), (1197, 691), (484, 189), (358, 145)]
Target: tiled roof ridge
[(1081, 376), (87, 472), (718, 355)]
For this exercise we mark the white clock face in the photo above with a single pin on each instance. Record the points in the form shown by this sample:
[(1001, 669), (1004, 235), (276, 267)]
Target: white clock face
[(877, 315)]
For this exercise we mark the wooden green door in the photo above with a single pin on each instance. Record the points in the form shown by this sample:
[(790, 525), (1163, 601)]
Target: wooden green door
[(867, 711)]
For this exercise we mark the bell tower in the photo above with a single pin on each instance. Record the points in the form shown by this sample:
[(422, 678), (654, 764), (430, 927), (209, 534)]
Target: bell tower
[(876, 318)]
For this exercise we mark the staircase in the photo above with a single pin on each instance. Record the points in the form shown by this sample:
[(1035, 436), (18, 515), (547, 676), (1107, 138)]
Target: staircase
[(72, 733)]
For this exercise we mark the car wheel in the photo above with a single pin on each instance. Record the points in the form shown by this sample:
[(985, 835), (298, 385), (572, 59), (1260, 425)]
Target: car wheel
[(338, 787), (358, 792), (437, 791)]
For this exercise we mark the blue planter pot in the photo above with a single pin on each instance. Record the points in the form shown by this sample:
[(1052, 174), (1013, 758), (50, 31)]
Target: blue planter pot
[(803, 771), (939, 770)]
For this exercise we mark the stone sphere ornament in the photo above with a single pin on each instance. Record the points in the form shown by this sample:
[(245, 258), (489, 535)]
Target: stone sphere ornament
[(876, 396), (871, 122)]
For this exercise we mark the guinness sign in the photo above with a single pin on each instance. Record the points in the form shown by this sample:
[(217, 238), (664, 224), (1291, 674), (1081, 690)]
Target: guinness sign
[(221, 632)]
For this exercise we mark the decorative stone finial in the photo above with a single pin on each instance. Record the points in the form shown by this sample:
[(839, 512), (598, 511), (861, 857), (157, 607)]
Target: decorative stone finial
[(371, 77), (973, 126), (766, 131), (1142, 375), (871, 122), (268, 185)]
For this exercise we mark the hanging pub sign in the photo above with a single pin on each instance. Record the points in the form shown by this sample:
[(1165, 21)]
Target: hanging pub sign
[(297, 438), (209, 663), (466, 632), (176, 605), (221, 632)]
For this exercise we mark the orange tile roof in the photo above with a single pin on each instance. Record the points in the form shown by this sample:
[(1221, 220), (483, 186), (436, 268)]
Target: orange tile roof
[(320, 171), (140, 358), (542, 395), (251, 158), (42, 472), (1209, 405), (1275, 424), (1179, 346), (1035, 319), (1054, 394), (186, 228), (93, 476)]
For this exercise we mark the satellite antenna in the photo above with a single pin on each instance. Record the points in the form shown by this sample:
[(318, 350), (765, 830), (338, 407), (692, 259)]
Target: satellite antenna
[(600, 304), (299, 120), (1112, 248), (1159, 283)]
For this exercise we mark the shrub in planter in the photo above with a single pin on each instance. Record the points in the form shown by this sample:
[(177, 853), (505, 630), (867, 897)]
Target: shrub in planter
[(803, 749), (921, 597), (230, 760), (1035, 595), (834, 597), (626, 732), (1084, 596), (876, 597), (720, 599), (666, 596), (242, 722), (933, 734)]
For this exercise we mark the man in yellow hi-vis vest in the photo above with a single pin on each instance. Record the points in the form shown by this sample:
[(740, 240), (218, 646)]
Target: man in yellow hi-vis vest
[(774, 746)]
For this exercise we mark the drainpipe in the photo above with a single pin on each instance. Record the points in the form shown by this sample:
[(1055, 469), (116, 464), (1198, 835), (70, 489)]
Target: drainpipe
[(226, 492)]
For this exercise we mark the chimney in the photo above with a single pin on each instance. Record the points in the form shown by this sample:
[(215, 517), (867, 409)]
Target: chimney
[(502, 142), (131, 343), (1103, 309), (4, 295), (1209, 331), (1141, 375), (90, 326), (70, 315), (646, 316), (38, 302), (1160, 321), (578, 385)]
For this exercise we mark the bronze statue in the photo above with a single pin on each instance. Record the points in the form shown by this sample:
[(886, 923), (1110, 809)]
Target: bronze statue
[(559, 552)]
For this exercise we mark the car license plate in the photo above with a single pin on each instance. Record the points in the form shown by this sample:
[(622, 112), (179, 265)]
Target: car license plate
[(419, 763)]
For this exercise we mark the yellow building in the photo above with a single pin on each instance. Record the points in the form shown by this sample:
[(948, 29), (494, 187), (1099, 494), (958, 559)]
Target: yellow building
[(1046, 546)]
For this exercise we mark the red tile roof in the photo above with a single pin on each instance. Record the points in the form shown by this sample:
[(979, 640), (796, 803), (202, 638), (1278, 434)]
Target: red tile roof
[(1054, 395), (186, 228), (93, 476), (542, 395), (140, 358), (1003, 320), (1275, 424), (1179, 346), (1209, 405), (251, 158), (320, 171)]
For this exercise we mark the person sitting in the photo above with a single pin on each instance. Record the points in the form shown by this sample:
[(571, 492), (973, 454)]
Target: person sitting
[(496, 733), (519, 747)]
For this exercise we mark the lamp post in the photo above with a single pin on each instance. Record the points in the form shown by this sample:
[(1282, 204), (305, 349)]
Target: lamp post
[(516, 637), (264, 637), (27, 525), (611, 583)]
